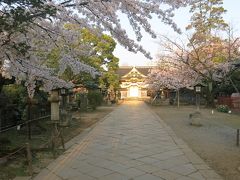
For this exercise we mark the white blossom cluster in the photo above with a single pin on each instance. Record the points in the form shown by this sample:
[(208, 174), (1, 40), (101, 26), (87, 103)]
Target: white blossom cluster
[(76, 66), (30, 73), (31, 67), (104, 14), (205, 62), (171, 75), (45, 33)]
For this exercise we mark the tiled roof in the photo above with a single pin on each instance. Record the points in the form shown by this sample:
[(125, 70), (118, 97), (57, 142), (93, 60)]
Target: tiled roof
[(123, 70)]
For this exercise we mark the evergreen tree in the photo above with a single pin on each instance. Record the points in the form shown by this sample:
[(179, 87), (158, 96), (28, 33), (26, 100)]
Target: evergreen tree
[(99, 54), (206, 21)]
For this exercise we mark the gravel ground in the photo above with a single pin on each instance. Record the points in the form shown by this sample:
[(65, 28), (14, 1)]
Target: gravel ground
[(215, 141)]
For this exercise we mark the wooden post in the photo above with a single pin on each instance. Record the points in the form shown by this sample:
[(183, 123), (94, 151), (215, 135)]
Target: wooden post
[(237, 137), (54, 138), (29, 159), (29, 118), (53, 146), (62, 140), (178, 101), (198, 102)]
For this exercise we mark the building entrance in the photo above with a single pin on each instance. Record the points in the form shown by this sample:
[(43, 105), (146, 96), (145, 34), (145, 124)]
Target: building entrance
[(133, 91)]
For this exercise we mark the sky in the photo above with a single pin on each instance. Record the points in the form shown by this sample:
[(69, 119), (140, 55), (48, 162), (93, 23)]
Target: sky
[(182, 17)]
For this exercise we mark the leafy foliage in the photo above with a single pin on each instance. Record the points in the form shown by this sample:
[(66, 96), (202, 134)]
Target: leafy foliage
[(223, 108), (101, 57), (95, 98), (209, 51), (206, 20), (207, 58), (28, 28)]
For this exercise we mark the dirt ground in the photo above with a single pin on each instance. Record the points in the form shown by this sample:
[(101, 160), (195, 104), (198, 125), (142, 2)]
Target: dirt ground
[(214, 141), (18, 166)]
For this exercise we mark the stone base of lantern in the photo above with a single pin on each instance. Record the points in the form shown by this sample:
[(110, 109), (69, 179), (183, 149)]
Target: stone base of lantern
[(195, 119)]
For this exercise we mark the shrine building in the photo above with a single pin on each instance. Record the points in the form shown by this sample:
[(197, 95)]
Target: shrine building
[(132, 81)]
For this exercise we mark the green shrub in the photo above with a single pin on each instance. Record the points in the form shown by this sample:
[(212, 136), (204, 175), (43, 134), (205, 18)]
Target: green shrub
[(223, 108), (16, 95), (95, 98)]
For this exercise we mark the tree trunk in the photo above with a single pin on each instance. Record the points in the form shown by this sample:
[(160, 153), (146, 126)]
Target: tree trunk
[(178, 100), (234, 86), (210, 95), (1, 83)]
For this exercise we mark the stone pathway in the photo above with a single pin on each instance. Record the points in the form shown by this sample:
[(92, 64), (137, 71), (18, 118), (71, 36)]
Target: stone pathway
[(131, 143)]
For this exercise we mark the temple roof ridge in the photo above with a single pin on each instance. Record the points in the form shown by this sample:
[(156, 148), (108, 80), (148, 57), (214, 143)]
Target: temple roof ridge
[(134, 73), (145, 66), (123, 70)]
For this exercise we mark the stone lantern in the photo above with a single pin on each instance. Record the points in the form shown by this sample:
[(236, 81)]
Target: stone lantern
[(198, 89), (55, 118), (64, 111), (54, 99)]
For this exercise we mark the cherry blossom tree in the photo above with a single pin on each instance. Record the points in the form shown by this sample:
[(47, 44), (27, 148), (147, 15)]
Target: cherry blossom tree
[(29, 27), (18, 15), (29, 66), (211, 63), (205, 51), (172, 75)]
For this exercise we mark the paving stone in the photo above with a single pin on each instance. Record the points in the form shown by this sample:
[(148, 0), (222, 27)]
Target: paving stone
[(114, 176), (81, 177), (185, 169), (148, 160), (185, 178), (168, 154), (209, 174), (196, 176), (117, 167), (202, 167), (85, 167), (133, 155), (172, 162), (132, 172), (131, 143), (99, 172), (117, 158), (132, 163), (147, 177), (81, 157), (69, 173), (147, 168), (195, 159), (165, 174)]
